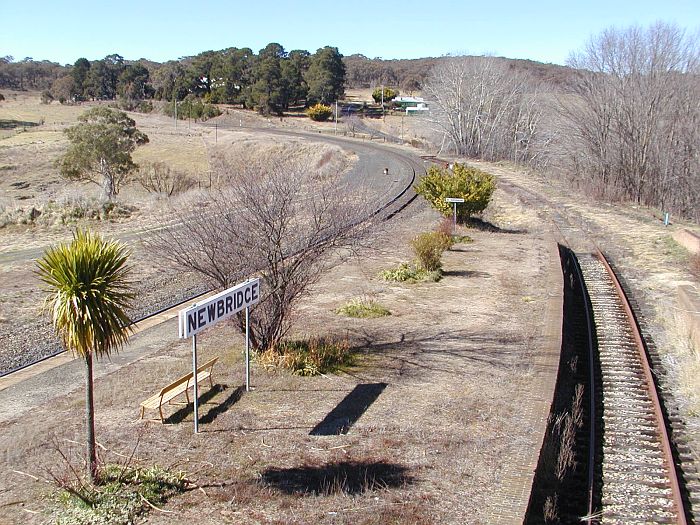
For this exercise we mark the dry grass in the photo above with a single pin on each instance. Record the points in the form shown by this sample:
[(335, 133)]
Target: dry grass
[(431, 448), (642, 247)]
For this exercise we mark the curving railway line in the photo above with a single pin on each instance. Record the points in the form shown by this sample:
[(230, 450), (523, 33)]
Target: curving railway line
[(392, 196)]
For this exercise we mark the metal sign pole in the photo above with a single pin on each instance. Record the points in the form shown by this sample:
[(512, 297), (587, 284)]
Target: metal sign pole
[(454, 218), (247, 349), (194, 378)]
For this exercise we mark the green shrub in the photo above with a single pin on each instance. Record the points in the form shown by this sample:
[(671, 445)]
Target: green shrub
[(363, 308), (192, 107), (319, 112), (308, 357), (410, 273), (474, 186), (389, 94), (429, 247), (123, 493)]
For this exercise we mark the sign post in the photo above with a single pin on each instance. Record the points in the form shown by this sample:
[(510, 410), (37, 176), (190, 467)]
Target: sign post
[(454, 201), (216, 308)]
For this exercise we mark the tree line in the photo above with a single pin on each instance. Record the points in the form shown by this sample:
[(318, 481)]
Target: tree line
[(624, 127), (620, 120), (271, 81)]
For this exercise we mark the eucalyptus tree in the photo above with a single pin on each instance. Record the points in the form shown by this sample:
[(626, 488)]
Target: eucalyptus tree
[(100, 149)]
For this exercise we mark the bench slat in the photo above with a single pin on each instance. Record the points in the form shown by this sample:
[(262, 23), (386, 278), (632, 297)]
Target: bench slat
[(177, 387)]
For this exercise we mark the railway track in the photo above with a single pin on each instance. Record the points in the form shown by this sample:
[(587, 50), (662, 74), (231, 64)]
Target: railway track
[(638, 480), (389, 205)]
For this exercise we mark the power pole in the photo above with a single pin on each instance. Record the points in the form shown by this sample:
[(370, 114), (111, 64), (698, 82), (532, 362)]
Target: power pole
[(382, 102)]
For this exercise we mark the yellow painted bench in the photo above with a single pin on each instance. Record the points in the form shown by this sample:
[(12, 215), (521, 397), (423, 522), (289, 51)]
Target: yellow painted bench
[(177, 387)]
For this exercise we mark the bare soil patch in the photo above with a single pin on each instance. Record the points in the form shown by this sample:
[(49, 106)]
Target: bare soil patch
[(433, 446)]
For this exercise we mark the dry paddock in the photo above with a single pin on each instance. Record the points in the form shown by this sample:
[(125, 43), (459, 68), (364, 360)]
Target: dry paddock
[(459, 375)]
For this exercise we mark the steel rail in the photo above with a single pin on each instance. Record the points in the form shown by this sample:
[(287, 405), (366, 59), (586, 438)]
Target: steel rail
[(651, 387)]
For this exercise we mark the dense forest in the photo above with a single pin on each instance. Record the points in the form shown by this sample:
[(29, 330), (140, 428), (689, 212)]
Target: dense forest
[(621, 121)]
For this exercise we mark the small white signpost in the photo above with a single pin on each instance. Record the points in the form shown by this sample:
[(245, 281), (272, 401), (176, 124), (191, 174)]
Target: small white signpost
[(223, 305), (454, 201)]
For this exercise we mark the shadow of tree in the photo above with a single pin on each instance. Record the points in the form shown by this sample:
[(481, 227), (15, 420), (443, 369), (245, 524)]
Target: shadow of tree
[(13, 124), (345, 477), (448, 351), (465, 273)]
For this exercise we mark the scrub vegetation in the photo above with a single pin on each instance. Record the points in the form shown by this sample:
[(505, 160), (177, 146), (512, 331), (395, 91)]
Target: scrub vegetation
[(308, 357), (362, 308), (122, 494)]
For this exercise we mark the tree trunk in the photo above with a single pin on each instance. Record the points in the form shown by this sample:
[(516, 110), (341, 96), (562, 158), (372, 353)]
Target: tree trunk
[(90, 419), (108, 189)]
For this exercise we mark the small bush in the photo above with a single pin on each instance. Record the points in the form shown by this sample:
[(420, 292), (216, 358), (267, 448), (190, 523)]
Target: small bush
[(319, 112), (446, 226), (429, 247), (474, 186), (46, 97), (157, 177), (363, 308), (308, 357), (123, 493), (410, 273)]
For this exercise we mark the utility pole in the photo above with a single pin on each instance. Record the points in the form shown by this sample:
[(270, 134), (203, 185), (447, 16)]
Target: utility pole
[(382, 102), (336, 117)]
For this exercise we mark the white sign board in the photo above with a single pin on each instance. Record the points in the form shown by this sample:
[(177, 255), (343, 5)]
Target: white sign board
[(218, 307), (453, 199)]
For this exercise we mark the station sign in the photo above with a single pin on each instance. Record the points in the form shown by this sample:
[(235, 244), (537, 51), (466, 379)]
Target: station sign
[(223, 305)]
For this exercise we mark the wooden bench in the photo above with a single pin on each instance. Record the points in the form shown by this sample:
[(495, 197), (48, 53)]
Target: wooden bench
[(177, 387)]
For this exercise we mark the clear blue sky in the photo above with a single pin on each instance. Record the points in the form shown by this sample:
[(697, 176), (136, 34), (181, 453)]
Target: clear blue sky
[(547, 31)]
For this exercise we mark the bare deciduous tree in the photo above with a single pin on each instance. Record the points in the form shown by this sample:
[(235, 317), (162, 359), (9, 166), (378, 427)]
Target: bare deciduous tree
[(275, 217), (632, 131), (480, 108)]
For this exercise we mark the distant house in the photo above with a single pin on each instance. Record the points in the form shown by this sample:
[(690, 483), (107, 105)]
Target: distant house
[(417, 109), (408, 102)]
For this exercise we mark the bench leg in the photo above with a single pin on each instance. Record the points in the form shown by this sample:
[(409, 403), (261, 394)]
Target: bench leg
[(160, 409)]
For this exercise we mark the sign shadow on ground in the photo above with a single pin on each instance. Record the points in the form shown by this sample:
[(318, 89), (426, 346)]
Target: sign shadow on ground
[(349, 410), (204, 399)]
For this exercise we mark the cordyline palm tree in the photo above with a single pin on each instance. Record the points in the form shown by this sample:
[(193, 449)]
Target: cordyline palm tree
[(88, 293)]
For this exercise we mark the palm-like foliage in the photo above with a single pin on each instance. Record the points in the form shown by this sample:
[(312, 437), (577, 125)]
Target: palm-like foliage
[(88, 293)]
